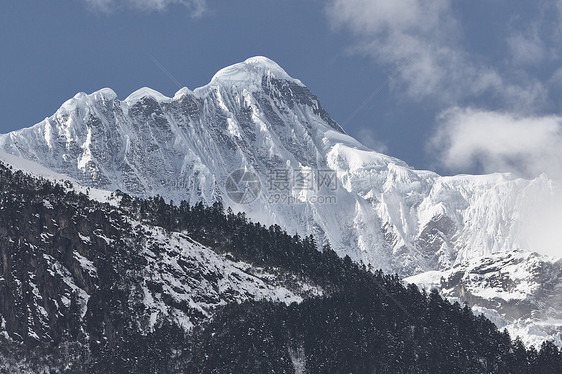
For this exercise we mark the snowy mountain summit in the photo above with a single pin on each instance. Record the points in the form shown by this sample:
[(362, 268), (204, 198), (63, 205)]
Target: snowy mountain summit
[(253, 123), (252, 70)]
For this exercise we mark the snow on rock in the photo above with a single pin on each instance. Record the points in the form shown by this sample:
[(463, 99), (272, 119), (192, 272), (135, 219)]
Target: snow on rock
[(195, 277), (519, 291), (35, 169)]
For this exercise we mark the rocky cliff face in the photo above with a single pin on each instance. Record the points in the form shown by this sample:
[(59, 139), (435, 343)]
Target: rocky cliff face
[(520, 291), (74, 269)]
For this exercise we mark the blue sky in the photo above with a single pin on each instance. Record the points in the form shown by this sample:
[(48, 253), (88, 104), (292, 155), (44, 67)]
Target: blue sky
[(452, 86)]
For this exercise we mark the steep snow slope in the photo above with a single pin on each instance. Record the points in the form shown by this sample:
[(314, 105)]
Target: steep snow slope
[(254, 116)]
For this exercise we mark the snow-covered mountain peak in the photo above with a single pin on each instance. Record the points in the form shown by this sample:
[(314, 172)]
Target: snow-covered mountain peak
[(252, 70), (99, 95), (82, 99), (102, 93), (107, 93), (253, 116), (143, 92), (182, 92)]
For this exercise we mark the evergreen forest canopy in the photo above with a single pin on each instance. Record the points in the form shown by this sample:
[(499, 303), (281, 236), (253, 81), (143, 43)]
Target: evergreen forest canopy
[(365, 322)]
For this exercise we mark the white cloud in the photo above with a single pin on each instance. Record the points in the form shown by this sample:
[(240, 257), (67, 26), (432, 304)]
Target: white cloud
[(526, 146), (376, 16), (540, 222), (401, 33), (369, 138), (196, 7), (423, 40), (496, 141), (527, 49)]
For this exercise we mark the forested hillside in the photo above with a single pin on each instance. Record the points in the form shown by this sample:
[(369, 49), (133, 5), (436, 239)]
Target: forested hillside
[(144, 286)]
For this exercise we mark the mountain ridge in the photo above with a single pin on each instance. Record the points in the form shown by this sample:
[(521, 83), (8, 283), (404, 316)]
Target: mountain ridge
[(254, 117), (307, 142)]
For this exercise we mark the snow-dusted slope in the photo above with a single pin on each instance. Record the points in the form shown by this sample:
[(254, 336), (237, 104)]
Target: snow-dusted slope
[(520, 291), (164, 276), (194, 276), (254, 116)]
